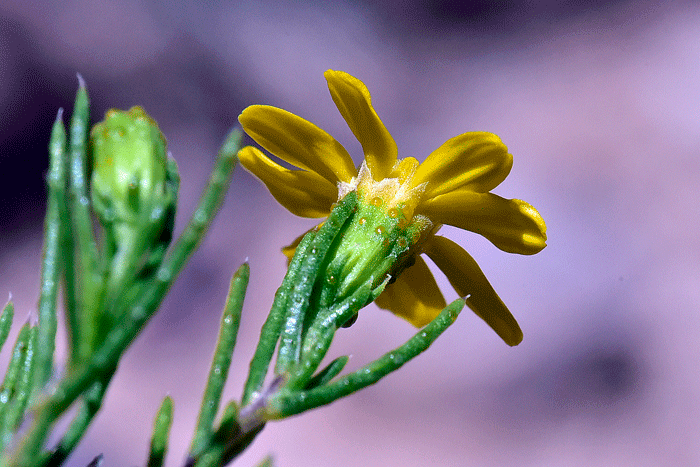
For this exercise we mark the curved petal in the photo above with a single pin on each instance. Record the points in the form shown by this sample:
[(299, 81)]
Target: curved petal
[(510, 224), (355, 105), (297, 141), (478, 161), (304, 194), (468, 280), (414, 295)]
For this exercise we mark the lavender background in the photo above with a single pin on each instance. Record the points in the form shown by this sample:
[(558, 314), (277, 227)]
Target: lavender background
[(598, 102)]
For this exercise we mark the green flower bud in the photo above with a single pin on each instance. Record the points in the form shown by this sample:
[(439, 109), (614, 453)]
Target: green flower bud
[(129, 168), (134, 191)]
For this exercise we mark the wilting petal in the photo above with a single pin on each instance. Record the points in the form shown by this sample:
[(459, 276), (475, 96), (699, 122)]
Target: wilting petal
[(297, 141), (477, 161), (354, 103), (303, 193), (467, 279), (414, 295), (510, 224)]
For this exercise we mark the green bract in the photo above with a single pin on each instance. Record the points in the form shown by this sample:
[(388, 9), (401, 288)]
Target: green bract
[(371, 246)]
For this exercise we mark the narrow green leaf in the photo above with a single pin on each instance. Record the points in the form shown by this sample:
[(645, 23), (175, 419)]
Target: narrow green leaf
[(8, 313), (328, 373), (320, 335), (208, 205), (92, 401), (17, 403), (221, 361), (287, 403), (229, 422), (14, 368), (86, 324), (161, 432), (79, 133), (23, 389), (270, 333), (51, 263)]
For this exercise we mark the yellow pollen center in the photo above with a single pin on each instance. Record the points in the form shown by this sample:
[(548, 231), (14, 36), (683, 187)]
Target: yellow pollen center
[(396, 195)]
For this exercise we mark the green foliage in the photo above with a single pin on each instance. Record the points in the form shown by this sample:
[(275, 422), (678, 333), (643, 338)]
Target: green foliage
[(301, 325), (6, 322), (221, 361), (105, 308), (115, 279)]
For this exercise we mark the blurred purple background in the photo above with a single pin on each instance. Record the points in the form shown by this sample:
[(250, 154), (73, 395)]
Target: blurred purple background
[(598, 102)]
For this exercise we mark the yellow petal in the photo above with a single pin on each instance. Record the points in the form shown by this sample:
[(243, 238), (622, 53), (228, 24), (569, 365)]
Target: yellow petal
[(510, 224), (297, 141), (405, 168), (467, 279), (414, 295), (354, 103), (303, 193), (478, 161)]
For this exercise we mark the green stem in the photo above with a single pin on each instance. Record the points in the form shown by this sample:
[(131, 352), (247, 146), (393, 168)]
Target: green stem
[(212, 453), (234, 434)]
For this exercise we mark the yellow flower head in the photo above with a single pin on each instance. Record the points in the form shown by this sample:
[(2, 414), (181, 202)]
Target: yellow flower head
[(450, 187)]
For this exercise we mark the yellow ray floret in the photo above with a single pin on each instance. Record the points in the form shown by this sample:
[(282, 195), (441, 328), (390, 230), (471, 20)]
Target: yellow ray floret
[(450, 187)]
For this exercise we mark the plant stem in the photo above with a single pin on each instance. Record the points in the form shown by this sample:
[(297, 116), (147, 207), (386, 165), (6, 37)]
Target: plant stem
[(103, 360)]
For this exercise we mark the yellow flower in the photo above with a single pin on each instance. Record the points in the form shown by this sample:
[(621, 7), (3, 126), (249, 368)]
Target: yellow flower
[(450, 187)]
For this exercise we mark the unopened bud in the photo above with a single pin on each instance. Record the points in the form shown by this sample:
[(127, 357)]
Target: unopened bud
[(134, 188)]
